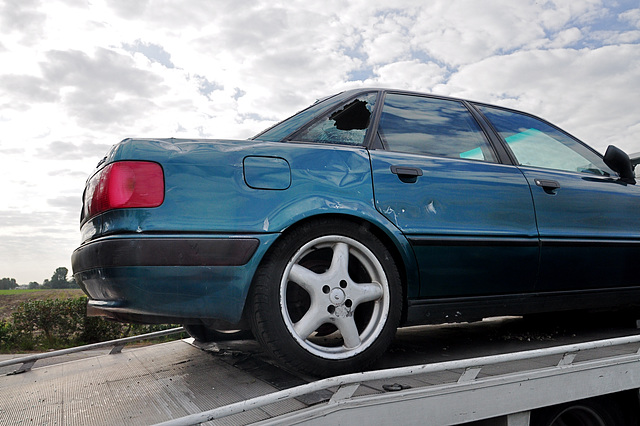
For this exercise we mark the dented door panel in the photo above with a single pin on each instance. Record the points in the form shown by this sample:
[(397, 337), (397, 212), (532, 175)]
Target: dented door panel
[(471, 224)]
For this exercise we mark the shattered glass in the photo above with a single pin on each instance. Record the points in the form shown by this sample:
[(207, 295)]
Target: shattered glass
[(346, 125)]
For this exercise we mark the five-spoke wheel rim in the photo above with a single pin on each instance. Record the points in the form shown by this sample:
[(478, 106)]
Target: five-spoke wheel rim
[(334, 297)]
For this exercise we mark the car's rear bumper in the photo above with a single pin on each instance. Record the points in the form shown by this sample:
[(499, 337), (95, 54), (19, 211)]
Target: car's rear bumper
[(168, 278), (164, 251)]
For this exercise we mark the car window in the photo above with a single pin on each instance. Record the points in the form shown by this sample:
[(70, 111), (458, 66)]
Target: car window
[(432, 126), (286, 127), (347, 124), (538, 144)]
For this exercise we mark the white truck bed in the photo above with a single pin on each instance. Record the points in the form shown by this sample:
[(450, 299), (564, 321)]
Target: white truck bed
[(165, 382)]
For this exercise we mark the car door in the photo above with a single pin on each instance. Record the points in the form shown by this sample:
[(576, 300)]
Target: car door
[(469, 219), (588, 219)]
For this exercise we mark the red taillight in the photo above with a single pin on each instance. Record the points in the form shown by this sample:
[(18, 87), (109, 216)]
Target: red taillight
[(125, 184)]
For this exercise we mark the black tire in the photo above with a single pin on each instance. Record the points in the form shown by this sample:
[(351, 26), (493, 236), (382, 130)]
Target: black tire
[(327, 299), (603, 411), (205, 334)]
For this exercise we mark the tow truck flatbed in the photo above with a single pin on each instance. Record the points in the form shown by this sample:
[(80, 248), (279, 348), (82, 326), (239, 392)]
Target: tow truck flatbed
[(168, 381)]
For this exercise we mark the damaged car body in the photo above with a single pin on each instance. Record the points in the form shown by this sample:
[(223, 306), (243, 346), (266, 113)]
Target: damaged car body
[(370, 210)]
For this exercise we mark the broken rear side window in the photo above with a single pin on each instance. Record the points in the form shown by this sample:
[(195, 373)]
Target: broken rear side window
[(347, 125)]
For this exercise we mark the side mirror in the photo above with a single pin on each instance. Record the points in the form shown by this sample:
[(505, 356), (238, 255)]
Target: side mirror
[(619, 162)]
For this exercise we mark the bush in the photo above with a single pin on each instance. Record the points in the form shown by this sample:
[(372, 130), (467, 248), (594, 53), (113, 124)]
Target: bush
[(60, 323), (6, 333), (97, 329), (54, 320)]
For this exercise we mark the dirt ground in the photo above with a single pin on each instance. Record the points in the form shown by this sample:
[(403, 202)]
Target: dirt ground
[(9, 302)]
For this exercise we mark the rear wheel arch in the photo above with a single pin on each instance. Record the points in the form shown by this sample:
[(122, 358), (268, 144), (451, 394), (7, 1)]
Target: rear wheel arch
[(370, 227)]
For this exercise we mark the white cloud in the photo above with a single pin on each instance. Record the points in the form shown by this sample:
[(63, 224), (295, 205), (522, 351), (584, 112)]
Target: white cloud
[(410, 75), (632, 16), (387, 41), (566, 38), (22, 18)]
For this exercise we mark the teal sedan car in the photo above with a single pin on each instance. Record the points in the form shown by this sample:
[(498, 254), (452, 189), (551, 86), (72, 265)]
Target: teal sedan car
[(370, 210)]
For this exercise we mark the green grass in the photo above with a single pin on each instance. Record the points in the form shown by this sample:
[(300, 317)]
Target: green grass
[(15, 291)]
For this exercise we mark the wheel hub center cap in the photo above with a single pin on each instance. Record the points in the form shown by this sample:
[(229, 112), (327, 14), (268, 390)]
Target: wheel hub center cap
[(337, 296)]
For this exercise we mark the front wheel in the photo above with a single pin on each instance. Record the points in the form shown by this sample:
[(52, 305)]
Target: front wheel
[(327, 300)]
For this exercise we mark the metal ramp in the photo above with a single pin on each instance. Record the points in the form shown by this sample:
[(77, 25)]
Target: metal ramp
[(139, 386), (181, 383)]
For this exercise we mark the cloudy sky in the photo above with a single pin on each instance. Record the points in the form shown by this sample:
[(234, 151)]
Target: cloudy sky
[(77, 76)]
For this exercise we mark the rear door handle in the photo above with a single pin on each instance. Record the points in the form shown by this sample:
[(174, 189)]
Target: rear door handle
[(549, 186), (407, 174)]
